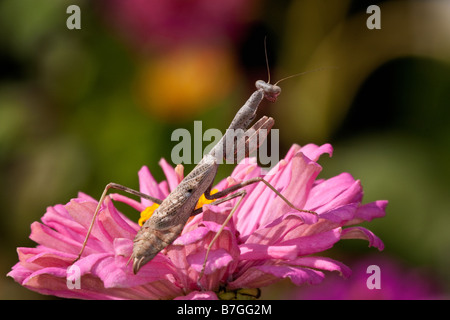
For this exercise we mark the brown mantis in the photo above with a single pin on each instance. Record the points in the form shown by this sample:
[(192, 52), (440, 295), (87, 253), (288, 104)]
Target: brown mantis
[(169, 219)]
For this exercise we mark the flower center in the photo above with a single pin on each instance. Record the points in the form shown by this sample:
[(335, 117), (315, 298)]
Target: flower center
[(239, 294)]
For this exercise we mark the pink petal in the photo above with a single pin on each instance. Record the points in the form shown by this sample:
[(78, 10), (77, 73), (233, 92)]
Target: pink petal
[(245, 170), (49, 259), (250, 203), (177, 256), (164, 187), (171, 176), (324, 264), (91, 261), (82, 212), (293, 180), (19, 273), (54, 240), (191, 237), (217, 259), (364, 234), (155, 270), (114, 224), (263, 252), (274, 232), (369, 211), (341, 214), (330, 220), (314, 152), (200, 233), (114, 277), (219, 264), (123, 247), (148, 185), (337, 191), (86, 197), (53, 281), (300, 179), (199, 295), (33, 259), (128, 201), (293, 150), (159, 268), (60, 220), (188, 259), (218, 214), (316, 242), (260, 276), (288, 230)]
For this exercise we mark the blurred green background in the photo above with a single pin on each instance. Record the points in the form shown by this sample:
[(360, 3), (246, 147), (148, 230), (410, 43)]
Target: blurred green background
[(81, 108)]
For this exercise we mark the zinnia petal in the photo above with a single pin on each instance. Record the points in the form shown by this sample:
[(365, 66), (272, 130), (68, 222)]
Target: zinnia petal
[(336, 191), (364, 234), (260, 276), (199, 295), (313, 151), (370, 211), (148, 185)]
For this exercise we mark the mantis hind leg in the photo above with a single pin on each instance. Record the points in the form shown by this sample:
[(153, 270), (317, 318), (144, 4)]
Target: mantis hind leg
[(116, 186)]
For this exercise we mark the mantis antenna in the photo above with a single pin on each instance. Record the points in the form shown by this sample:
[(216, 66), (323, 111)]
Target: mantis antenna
[(291, 76), (305, 72), (267, 60)]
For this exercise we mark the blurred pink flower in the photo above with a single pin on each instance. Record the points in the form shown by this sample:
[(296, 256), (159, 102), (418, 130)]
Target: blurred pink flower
[(264, 242), (396, 282), (171, 22)]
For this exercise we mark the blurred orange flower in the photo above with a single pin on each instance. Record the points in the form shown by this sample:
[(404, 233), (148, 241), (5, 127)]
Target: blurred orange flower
[(185, 80)]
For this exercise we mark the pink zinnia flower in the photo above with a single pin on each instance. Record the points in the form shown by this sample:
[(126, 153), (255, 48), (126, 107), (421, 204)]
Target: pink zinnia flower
[(171, 22), (264, 242)]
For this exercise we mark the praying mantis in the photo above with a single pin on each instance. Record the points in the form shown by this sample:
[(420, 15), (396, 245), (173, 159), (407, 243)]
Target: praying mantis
[(168, 220)]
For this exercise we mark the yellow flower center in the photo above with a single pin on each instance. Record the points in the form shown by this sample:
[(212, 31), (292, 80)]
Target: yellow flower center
[(147, 212)]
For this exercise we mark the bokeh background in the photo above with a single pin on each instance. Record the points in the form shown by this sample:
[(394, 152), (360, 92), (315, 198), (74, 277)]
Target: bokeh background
[(81, 108)]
